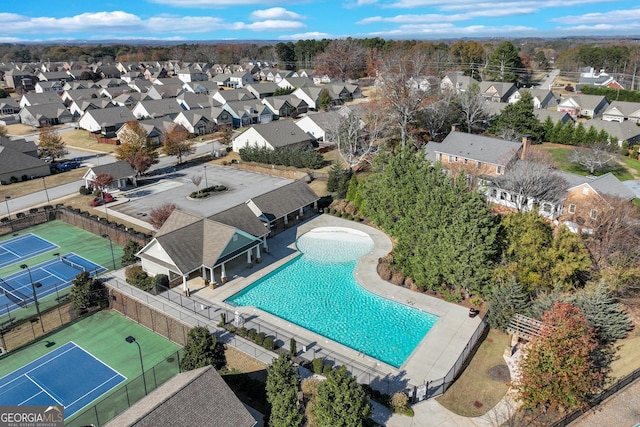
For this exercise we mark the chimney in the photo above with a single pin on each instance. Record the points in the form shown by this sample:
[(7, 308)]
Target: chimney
[(526, 142), (455, 127)]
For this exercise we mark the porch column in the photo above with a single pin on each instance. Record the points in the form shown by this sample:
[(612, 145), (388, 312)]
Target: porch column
[(223, 274), (185, 288), (286, 220), (315, 206), (249, 262), (301, 211), (258, 257), (264, 244)]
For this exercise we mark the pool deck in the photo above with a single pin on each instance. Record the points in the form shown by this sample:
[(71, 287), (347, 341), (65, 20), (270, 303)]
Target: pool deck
[(449, 335)]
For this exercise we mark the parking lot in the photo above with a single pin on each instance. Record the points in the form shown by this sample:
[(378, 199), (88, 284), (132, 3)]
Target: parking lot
[(175, 187)]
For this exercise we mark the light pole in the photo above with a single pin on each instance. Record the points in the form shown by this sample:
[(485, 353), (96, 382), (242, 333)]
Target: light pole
[(6, 200), (113, 258), (57, 255), (35, 297), (206, 184), (45, 189), (132, 340)]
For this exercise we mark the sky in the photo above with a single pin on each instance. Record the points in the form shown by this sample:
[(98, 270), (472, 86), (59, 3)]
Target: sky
[(291, 20)]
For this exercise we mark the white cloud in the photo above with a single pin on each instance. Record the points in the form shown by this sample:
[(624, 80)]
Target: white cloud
[(271, 25), (495, 5), (616, 16), (274, 13), (450, 30), (308, 36), (218, 3), (429, 18)]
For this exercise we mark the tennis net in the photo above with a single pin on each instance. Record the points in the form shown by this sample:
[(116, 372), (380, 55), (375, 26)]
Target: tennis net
[(12, 293), (72, 264)]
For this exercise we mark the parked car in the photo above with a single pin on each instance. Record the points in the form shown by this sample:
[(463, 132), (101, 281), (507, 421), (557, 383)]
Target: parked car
[(102, 200), (65, 166)]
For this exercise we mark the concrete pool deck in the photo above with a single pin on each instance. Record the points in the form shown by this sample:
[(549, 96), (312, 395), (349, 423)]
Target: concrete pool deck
[(449, 336)]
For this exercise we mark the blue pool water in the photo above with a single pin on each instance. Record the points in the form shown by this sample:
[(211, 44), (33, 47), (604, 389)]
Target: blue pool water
[(317, 291)]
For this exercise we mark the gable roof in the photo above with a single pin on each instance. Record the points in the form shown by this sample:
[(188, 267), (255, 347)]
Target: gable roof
[(15, 161), (203, 389), (242, 217), (474, 147), (280, 133), (604, 185), (285, 200), (624, 107), (585, 102), (117, 170), (111, 116), (624, 131)]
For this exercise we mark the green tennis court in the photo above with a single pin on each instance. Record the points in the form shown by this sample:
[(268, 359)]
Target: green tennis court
[(68, 239), (103, 335)]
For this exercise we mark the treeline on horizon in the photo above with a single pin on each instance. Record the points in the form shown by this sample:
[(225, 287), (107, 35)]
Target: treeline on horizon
[(617, 56)]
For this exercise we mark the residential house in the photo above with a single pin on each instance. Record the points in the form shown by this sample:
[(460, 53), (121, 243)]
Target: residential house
[(114, 92), (130, 76), (129, 100), (29, 99), (274, 75), (218, 407), (54, 76), (165, 91), (110, 82), (317, 125), (240, 79), (45, 114), (157, 108), (542, 98), (457, 82), (46, 86), (220, 117), (281, 133), (9, 106), (475, 154), (190, 101), (294, 82), (106, 71), (105, 121), (262, 90), (311, 95), (20, 145), (121, 172), (20, 80), (16, 165), (497, 91), (157, 129), (618, 131), (224, 96), (281, 106), (556, 116), (590, 198), (222, 80), (583, 105), (69, 96), (197, 121), (619, 111), (589, 77), (141, 86), (77, 108), (248, 112), (196, 88), (79, 84), (191, 74)]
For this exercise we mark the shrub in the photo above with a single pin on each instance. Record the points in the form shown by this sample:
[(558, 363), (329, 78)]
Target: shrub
[(24, 178), (293, 348), (385, 271), (475, 301), (309, 386), (231, 329), (317, 365), (83, 190), (136, 276), (269, 343), (397, 277), (223, 320), (399, 401), (260, 338), (13, 179), (326, 370), (252, 334), (243, 331)]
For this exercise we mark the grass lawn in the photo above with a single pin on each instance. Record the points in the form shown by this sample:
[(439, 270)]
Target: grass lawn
[(625, 170), (27, 187), (476, 392), (627, 360), (80, 138)]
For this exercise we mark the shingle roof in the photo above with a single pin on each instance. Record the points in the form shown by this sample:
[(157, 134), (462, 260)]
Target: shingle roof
[(20, 145), (117, 170), (609, 185), (280, 133), (624, 131), (286, 199), (111, 116), (16, 162), (241, 217), (193, 398), (626, 108), (475, 147)]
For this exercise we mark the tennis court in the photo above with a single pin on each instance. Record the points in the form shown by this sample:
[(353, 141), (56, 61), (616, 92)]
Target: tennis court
[(22, 247), (48, 278), (68, 376)]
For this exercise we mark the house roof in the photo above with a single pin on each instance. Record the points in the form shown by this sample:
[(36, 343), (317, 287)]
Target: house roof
[(556, 116), (47, 111), (624, 107), (474, 147), (117, 170), (242, 217), (325, 120), (280, 133), (286, 199), (263, 88), (111, 116), (160, 107), (21, 145), (585, 102), (15, 161), (605, 185), (193, 398), (624, 131)]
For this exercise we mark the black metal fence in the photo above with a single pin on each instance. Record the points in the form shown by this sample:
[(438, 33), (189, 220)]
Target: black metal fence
[(124, 397)]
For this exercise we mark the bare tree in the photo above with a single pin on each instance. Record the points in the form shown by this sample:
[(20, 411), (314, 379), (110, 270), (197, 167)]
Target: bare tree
[(159, 215), (355, 138), (471, 105), (400, 96), (197, 179), (437, 115), (532, 181), (594, 157), (342, 58), (102, 181)]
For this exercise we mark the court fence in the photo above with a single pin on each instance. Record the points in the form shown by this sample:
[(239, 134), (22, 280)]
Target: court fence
[(122, 398)]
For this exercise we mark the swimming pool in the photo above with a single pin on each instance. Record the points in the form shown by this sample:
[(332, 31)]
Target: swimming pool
[(317, 290)]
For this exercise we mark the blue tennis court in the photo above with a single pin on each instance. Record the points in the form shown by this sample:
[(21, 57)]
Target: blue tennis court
[(68, 376), (16, 290), (22, 247)]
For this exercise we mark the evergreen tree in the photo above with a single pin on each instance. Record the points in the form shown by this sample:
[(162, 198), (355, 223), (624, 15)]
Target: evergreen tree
[(565, 136), (129, 253), (591, 136), (338, 181), (202, 349), (324, 100), (283, 381), (604, 314), (547, 128), (520, 119), (579, 135), (504, 64), (340, 401), (569, 258), (556, 132), (505, 301), (86, 292)]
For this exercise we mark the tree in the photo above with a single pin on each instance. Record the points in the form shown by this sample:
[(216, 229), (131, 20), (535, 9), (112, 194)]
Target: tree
[(506, 300), (129, 253), (355, 145), (471, 108), (160, 214), (286, 55), (134, 148), (196, 180), (437, 115), (594, 158), (519, 118), (468, 55), (324, 99), (86, 292), (604, 314), (50, 144), (102, 181), (343, 59), (4, 131), (504, 64), (202, 349), (282, 385), (558, 370), (532, 181), (227, 134), (341, 401), (177, 143), (338, 181)]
